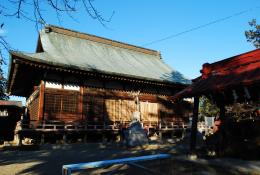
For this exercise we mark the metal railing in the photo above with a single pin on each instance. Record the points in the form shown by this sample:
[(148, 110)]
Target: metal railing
[(68, 169)]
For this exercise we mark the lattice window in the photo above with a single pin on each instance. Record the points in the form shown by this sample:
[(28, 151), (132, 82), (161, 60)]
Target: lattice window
[(69, 103), (53, 103), (61, 103), (93, 108)]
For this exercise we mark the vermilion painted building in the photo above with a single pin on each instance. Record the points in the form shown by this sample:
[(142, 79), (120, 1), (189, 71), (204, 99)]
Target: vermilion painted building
[(235, 79), (229, 81)]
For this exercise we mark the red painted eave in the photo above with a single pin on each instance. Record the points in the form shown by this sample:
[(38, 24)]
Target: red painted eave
[(240, 70)]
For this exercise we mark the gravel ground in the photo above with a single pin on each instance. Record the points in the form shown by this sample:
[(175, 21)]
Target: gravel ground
[(49, 158)]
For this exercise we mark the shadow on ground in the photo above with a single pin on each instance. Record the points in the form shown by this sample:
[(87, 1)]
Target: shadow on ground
[(49, 158)]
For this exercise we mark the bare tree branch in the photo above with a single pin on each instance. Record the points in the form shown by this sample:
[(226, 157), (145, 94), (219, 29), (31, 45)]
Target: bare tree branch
[(3, 46), (33, 11), (93, 13), (16, 8)]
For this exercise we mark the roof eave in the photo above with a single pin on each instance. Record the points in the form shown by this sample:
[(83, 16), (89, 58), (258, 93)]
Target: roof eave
[(10, 72), (68, 68)]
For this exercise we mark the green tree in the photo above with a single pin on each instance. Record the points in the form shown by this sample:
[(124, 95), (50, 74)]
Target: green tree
[(253, 35), (207, 108)]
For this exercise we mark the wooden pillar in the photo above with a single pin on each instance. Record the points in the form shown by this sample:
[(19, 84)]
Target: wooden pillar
[(81, 116), (41, 101), (194, 125), (222, 111)]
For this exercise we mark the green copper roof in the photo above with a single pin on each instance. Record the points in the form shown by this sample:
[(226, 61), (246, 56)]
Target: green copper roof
[(81, 53)]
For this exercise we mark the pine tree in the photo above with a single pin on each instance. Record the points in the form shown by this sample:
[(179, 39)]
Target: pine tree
[(253, 35), (207, 108)]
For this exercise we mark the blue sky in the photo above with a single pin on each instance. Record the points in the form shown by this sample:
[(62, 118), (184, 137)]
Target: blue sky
[(138, 22)]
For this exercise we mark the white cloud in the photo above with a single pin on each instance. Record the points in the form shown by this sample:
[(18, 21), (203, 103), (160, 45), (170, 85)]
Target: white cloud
[(3, 32)]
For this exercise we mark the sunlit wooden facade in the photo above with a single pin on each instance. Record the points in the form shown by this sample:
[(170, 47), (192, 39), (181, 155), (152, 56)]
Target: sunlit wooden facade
[(63, 91)]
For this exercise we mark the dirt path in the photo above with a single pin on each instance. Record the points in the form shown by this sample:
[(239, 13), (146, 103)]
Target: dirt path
[(49, 158)]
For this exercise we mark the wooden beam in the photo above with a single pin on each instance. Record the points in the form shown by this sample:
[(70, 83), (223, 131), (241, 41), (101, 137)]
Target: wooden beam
[(41, 101), (194, 125)]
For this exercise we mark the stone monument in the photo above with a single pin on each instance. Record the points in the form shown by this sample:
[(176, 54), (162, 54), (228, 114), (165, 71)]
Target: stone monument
[(135, 135)]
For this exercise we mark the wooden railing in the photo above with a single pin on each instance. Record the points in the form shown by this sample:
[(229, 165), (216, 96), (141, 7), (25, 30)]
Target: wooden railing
[(97, 127), (69, 127), (172, 126)]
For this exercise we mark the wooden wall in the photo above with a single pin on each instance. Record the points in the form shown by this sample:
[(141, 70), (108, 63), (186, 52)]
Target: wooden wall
[(99, 105), (33, 105), (61, 105)]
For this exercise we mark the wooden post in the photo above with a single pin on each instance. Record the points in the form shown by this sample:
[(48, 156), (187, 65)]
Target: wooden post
[(81, 103), (222, 111), (41, 101), (194, 125)]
